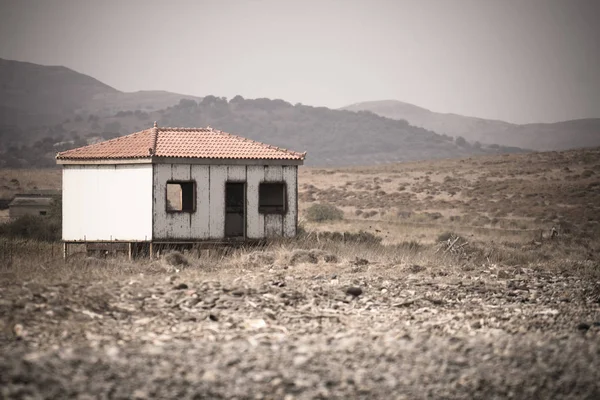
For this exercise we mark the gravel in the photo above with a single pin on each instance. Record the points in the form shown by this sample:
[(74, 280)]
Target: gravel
[(272, 332)]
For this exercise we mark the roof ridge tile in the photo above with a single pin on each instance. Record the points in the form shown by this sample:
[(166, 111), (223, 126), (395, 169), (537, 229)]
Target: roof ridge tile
[(181, 142)]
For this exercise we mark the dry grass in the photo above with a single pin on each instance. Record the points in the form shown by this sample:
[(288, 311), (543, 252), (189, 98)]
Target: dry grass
[(89, 325), (35, 261), (503, 205), (510, 195), (441, 318)]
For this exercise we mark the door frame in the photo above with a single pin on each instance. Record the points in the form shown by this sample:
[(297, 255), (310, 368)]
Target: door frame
[(245, 209)]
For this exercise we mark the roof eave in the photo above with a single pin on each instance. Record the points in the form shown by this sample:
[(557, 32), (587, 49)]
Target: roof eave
[(227, 161), (180, 160), (101, 161)]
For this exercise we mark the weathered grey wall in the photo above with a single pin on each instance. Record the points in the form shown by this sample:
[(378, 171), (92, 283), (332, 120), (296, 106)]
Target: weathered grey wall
[(208, 220)]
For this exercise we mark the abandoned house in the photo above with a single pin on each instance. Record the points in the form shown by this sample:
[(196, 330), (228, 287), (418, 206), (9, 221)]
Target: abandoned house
[(178, 185), (35, 202)]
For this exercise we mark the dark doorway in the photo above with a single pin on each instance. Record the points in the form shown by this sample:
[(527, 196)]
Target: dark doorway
[(235, 209)]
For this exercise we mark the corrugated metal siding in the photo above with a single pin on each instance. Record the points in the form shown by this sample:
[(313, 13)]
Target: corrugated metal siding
[(273, 225), (180, 222), (200, 228), (218, 177), (208, 221), (236, 173), (255, 222), (290, 219), (273, 222), (107, 202)]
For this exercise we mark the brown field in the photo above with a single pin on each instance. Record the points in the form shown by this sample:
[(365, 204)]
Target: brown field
[(466, 296), (503, 196), (13, 181)]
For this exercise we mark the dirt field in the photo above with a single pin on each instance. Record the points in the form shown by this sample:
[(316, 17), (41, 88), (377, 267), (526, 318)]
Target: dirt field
[(500, 195), (292, 323), (504, 312), (13, 181)]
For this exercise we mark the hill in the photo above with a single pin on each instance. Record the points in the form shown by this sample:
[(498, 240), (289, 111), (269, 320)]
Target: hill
[(553, 136), (506, 196), (33, 95), (47, 109), (331, 137)]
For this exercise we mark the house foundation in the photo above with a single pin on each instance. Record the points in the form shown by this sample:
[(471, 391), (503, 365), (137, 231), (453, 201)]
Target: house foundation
[(154, 249)]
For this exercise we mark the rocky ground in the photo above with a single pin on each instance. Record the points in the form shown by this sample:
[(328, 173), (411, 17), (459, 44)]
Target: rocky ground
[(312, 328)]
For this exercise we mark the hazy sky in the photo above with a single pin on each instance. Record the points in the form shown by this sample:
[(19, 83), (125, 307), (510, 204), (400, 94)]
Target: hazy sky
[(516, 60)]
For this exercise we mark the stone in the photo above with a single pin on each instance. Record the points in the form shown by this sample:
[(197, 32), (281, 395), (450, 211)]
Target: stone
[(181, 286), (255, 324), (330, 258), (361, 261), (583, 326), (502, 274), (19, 331), (354, 291), (416, 268), (209, 376), (176, 259), (301, 256)]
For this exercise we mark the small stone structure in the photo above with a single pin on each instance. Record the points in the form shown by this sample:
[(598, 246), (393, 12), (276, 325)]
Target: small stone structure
[(37, 203)]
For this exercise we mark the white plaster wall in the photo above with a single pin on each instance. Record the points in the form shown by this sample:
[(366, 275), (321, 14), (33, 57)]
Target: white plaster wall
[(107, 202), (208, 221)]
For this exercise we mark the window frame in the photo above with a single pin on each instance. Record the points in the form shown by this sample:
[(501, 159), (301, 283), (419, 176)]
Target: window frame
[(285, 207), (194, 195)]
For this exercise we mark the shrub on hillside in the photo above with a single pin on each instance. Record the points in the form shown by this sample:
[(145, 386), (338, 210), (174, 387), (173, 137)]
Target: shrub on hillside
[(460, 141), (350, 237), (451, 237), (323, 212), (46, 228), (412, 245), (32, 227), (445, 236), (176, 259), (587, 173)]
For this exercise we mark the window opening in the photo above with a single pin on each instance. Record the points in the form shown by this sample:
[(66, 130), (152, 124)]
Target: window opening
[(181, 196), (271, 198)]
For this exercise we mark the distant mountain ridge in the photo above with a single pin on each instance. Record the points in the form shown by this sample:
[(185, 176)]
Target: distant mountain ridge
[(330, 137), (32, 94), (540, 136), (49, 109)]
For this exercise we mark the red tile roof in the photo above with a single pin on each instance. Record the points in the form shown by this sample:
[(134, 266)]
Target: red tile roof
[(180, 143)]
